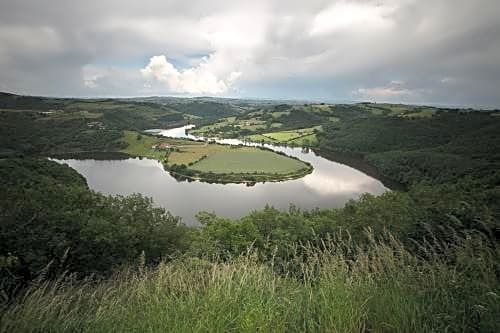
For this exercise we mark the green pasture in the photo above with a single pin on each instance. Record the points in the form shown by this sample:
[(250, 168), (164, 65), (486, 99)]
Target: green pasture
[(289, 136), (248, 160)]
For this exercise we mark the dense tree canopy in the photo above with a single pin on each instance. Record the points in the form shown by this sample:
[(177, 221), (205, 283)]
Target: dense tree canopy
[(51, 222)]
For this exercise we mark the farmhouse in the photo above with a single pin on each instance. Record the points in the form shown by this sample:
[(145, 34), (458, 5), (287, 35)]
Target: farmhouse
[(96, 124), (45, 113), (161, 146)]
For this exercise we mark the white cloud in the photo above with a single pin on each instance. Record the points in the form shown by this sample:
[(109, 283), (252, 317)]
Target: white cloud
[(448, 80), (194, 80), (349, 15), (395, 89), (91, 75), (341, 180)]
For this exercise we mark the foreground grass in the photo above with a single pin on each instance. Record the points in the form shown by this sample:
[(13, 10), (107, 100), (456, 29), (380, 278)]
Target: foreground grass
[(338, 288)]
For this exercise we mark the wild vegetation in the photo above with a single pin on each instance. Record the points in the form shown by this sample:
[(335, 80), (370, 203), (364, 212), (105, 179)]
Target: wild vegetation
[(36, 125), (382, 288), (444, 148), (51, 222), (422, 260)]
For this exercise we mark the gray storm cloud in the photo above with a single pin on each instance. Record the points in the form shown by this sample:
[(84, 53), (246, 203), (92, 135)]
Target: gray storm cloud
[(444, 51)]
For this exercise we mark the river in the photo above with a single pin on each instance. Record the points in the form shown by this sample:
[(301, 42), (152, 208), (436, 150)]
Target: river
[(330, 185)]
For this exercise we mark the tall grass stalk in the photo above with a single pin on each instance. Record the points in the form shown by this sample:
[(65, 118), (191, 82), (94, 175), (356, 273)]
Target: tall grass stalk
[(337, 286)]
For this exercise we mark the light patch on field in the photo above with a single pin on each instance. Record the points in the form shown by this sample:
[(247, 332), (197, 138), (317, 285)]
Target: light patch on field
[(90, 115), (192, 154), (427, 113), (192, 116), (318, 108), (278, 114)]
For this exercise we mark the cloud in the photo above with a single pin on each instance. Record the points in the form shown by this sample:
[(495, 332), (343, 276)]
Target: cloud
[(349, 15), (194, 80), (317, 49), (394, 90), (340, 182), (42, 39)]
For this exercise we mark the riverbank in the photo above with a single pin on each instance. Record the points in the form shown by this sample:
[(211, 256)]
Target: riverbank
[(181, 173)]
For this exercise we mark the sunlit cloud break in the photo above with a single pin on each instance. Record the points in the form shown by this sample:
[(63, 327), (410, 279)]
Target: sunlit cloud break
[(194, 80)]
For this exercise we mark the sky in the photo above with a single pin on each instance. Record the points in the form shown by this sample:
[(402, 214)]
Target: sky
[(410, 51)]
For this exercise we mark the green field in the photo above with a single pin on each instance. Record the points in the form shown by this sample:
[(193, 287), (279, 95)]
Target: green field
[(425, 113), (294, 136), (303, 137), (260, 138), (305, 140), (278, 114), (142, 146), (248, 160), (399, 110), (190, 154), (283, 136)]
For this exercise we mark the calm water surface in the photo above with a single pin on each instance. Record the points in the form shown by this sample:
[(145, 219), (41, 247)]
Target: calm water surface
[(331, 184)]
